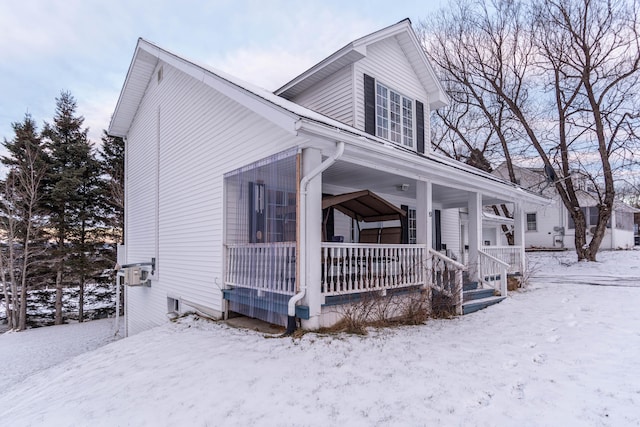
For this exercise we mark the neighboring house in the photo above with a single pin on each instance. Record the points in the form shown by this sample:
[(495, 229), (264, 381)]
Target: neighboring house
[(284, 205), (551, 226)]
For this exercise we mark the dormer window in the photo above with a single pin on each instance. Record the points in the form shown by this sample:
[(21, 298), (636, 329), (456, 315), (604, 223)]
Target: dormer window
[(394, 116), (390, 115)]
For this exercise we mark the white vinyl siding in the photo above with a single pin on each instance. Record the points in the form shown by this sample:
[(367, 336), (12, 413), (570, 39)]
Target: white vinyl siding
[(331, 96), (450, 226), (201, 134), (387, 63)]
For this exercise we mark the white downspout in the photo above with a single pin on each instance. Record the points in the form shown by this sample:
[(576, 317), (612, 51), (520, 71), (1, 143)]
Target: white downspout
[(304, 183)]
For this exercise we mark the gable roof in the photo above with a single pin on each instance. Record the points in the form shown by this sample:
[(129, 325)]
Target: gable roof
[(145, 60), (357, 50), (291, 117)]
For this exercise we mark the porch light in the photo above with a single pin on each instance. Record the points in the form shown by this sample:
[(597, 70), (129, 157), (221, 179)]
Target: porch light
[(403, 187)]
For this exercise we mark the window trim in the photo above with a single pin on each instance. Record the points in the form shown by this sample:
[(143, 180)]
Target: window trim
[(407, 135), (412, 225), (534, 222)]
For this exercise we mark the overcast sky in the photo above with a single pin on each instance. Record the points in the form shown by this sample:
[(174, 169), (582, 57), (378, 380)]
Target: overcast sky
[(86, 46)]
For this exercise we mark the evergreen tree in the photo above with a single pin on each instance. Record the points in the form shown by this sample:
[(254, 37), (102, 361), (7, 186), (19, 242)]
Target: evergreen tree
[(72, 198), (112, 159)]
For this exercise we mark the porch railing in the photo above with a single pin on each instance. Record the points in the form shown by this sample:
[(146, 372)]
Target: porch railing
[(269, 267), (446, 277), (349, 268), (492, 272), (512, 255)]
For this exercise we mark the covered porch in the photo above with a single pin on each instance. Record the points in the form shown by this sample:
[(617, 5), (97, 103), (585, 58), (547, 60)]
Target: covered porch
[(293, 234)]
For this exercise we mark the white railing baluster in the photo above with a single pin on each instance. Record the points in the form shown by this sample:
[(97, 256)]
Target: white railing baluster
[(359, 267), (347, 267), (447, 276), (266, 267), (493, 272), (512, 255)]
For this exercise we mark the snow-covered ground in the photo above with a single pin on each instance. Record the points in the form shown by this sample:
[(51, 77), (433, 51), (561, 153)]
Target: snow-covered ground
[(564, 352), (25, 353)]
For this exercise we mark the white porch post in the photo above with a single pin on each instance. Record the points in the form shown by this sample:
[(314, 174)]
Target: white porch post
[(424, 223), (475, 233), (518, 233), (311, 158), (424, 213)]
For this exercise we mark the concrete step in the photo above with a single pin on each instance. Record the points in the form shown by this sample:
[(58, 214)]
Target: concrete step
[(475, 294), (479, 304)]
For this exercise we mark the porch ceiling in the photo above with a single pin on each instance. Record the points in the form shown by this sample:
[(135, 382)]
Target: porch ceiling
[(352, 176), (346, 175)]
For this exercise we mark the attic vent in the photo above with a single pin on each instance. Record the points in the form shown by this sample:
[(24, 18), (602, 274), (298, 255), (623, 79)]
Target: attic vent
[(160, 74)]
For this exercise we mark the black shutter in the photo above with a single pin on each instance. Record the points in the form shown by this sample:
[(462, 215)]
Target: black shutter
[(404, 223), (437, 225), (370, 105), (257, 204), (420, 126)]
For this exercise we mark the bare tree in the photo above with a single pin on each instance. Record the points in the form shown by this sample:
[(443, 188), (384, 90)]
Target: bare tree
[(20, 213), (567, 72)]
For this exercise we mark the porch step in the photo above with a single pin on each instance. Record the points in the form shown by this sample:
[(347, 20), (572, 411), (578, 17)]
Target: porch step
[(469, 286), (479, 304), (476, 294)]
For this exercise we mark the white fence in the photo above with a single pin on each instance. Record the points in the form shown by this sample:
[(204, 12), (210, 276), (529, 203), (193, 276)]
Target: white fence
[(264, 266), (349, 268)]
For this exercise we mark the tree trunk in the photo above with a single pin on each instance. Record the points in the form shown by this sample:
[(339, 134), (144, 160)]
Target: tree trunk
[(58, 317), (22, 325), (15, 301), (81, 301), (505, 229), (5, 290), (580, 240)]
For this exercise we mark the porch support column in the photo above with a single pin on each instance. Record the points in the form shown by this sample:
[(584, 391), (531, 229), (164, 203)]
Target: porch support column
[(311, 158), (424, 213), (475, 233), (424, 222), (518, 233)]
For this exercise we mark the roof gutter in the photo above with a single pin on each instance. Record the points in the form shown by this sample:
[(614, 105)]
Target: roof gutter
[(304, 183)]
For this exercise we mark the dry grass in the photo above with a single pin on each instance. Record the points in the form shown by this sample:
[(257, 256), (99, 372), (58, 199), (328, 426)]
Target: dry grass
[(379, 311)]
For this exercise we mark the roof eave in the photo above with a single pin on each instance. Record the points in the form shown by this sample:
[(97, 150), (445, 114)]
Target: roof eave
[(345, 56), (118, 125)]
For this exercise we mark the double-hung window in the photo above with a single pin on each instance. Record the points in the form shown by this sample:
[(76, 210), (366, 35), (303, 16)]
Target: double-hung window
[(394, 116), (532, 222)]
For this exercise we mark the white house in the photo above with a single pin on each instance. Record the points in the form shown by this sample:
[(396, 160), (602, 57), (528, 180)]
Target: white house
[(550, 226), (283, 205)]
